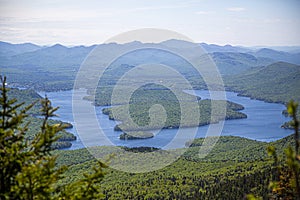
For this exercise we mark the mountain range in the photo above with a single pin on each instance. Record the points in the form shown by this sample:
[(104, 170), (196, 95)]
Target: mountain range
[(59, 55), (56, 66)]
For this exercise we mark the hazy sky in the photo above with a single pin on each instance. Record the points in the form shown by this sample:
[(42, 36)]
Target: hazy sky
[(73, 22)]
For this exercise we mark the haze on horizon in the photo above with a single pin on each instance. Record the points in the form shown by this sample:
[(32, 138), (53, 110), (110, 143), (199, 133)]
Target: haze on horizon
[(246, 23)]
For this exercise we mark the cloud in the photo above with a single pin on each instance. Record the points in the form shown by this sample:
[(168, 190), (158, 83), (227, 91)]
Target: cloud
[(236, 9)]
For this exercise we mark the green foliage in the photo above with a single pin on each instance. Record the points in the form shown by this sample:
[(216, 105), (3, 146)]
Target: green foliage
[(228, 148), (278, 82), (207, 178), (27, 167), (65, 137), (132, 135), (178, 110), (237, 162), (285, 182), (252, 197), (234, 168), (29, 96), (140, 149), (87, 187), (26, 96)]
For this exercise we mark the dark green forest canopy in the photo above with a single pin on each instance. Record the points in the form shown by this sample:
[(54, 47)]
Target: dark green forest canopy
[(140, 115), (134, 135), (144, 98), (235, 161), (278, 82)]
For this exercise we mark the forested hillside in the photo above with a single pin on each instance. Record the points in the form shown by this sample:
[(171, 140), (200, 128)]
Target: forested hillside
[(278, 82), (234, 168)]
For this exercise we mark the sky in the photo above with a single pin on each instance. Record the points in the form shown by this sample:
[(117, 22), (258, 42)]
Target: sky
[(77, 22)]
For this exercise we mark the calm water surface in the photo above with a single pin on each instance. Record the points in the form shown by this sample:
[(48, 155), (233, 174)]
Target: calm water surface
[(263, 122)]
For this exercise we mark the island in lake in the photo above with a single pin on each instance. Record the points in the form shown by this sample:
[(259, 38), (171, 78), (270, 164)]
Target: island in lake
[(134, 135)]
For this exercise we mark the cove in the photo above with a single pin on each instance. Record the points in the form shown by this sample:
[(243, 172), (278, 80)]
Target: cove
[(262, 123)]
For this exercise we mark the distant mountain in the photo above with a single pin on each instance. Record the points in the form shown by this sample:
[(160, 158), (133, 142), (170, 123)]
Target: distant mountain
[(53, 56), (211, 48), (58, 63), (289, 49), (230, 63), (278, 82), (227, 61), (278, 55), (236, 58), (8, 49), (177, 43)]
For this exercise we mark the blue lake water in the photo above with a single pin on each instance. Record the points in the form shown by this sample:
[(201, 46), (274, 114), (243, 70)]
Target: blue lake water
[(263, 122)]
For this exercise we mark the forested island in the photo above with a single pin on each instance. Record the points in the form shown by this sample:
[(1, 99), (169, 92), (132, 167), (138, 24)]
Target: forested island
[(144, 98), (136, 135)]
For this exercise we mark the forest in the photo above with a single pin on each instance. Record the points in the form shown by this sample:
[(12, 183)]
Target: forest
[(179, 109), (253, 169), (239, 162)]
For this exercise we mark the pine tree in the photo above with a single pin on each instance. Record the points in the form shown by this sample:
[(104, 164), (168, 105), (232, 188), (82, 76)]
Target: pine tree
[(27, 167)]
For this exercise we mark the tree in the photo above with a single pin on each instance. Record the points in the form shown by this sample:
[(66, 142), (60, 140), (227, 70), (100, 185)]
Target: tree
[(285, 182), (27, 167)]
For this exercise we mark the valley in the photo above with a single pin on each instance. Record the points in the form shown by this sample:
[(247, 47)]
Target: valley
[(257, 85)]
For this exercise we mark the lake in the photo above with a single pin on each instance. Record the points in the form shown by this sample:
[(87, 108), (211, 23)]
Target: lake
[(262, 124)]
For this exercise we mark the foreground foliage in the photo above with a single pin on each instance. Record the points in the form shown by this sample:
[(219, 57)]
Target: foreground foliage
[(27, 167), (285, 180), (28, 96)]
